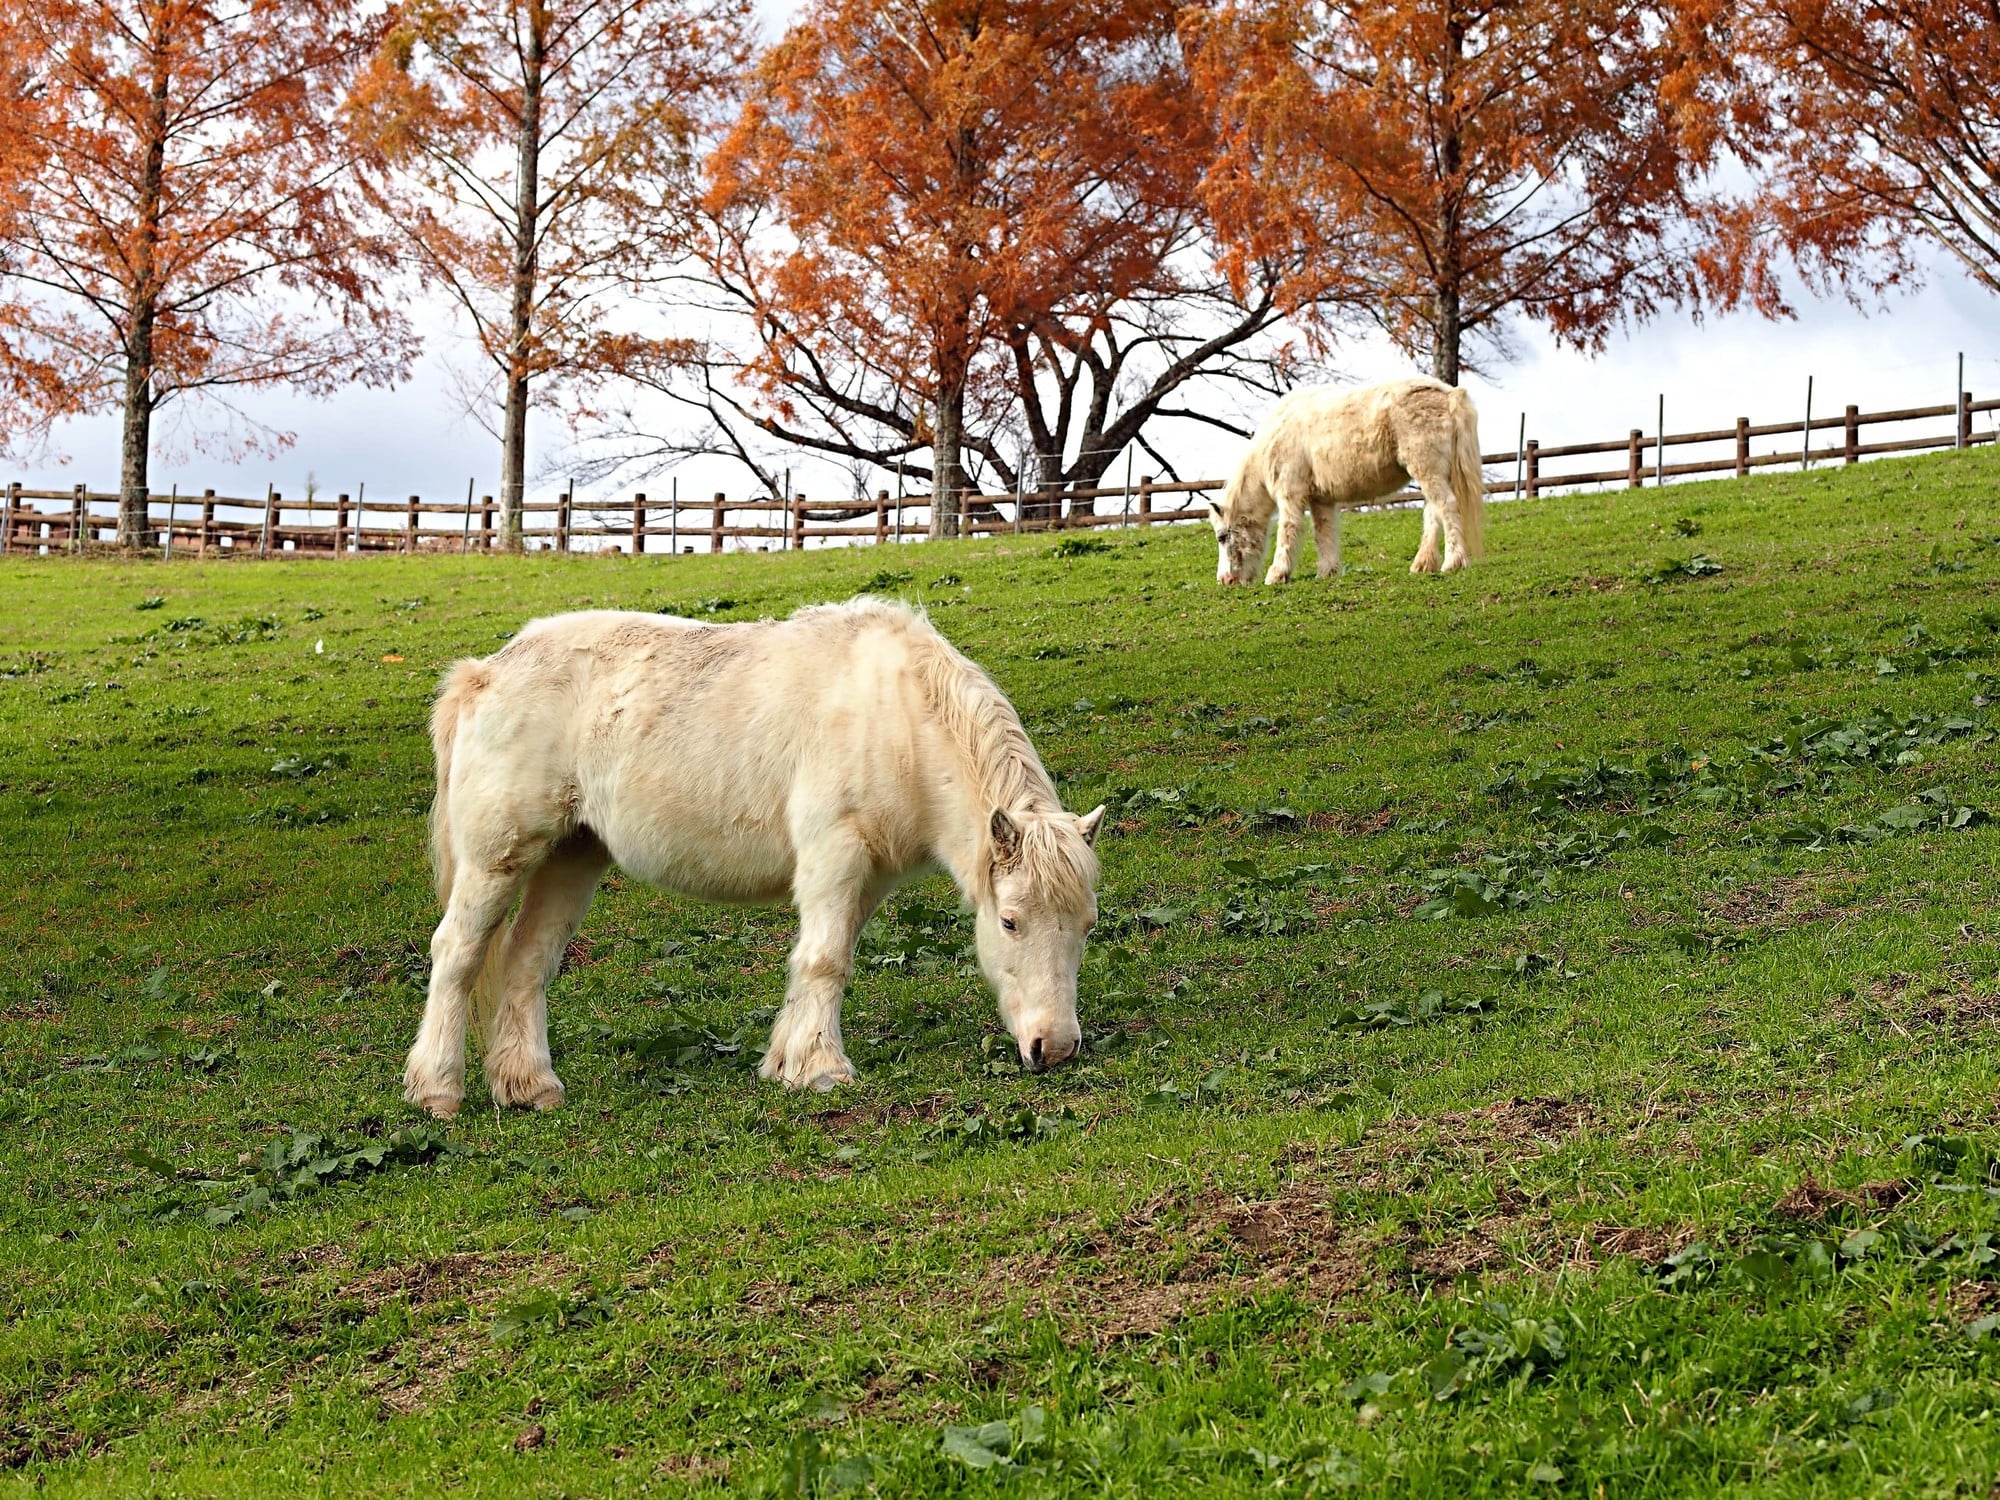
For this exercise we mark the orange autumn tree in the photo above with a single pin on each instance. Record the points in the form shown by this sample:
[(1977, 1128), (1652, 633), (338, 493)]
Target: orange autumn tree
[(185, 228), (537, 153), (32, 393), (932, 213), (1886, 118), (1460, 164)]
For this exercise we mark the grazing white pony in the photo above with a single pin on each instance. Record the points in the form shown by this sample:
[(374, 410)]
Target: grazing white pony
[(818, 759), (1323, 447)]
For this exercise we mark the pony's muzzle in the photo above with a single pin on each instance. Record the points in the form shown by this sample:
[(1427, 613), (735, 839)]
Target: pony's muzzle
[(1041, 1053)]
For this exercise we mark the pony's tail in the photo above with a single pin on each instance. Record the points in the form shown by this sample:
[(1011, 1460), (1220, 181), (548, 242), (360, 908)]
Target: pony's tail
[(461, 685), (1468, 479)]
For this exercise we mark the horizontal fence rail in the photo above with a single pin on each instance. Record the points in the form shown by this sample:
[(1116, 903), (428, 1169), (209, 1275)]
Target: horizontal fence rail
[(211, 525)]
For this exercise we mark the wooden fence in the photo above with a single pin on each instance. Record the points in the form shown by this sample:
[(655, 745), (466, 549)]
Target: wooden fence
[(211, 525)]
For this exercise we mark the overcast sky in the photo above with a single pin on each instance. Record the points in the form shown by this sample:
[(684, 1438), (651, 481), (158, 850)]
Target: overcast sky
[(418, 439)]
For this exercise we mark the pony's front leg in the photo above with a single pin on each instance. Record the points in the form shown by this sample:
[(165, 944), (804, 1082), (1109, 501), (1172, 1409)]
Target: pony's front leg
[(1291, 522), (1326, 537), (835, 901)]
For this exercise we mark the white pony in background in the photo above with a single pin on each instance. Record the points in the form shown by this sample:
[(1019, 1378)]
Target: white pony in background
[(1324, 447), (818, 759)]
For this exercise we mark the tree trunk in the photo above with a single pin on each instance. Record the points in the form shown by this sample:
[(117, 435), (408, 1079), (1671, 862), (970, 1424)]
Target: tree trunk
[(134, 527), (136, 437), (947, 444), (520, 329), (1449, 332), (1451, 218)]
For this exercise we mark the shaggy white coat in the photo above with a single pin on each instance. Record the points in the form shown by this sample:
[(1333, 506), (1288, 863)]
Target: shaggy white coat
[(819, 759), (1324, 447)]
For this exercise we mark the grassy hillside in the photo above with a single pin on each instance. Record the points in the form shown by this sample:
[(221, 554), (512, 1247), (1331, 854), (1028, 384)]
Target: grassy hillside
[(1544, 1032)]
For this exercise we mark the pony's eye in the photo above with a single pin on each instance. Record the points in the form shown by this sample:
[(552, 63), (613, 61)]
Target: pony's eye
[(1007, 923)]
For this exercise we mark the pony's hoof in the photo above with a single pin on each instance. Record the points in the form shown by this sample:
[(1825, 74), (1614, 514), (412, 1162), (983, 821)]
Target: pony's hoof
[(1454, 564), (437, 1106), (819, 1074), (1423, 564), (543, 1091), (1274, 577)]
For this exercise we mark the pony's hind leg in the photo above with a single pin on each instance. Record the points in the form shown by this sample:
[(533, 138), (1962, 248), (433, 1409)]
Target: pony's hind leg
[(836, 894), (1441, 524), (1291, 523), (1326, 537), (1426, 560), (519, 1069), (434, 1076)]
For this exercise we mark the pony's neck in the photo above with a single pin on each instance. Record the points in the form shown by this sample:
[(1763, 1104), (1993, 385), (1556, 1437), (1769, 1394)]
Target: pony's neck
[(984, 760), (959, 842)]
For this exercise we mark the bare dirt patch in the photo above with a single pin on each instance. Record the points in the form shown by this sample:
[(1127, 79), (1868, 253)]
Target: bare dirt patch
[(693, 1468), (1403, 1151), (1647, 1243), (1812, 1202), (469, 1276), (1183, 1251), (1973, 1299), (879, 1116), (1486, 1245), (1788, 902), (1352, 825), (17, 1450), (412, 1372), (1956, 1011), (1949, 1008)]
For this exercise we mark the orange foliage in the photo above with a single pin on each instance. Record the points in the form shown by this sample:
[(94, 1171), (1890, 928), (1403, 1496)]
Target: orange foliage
[(1451, 165), (1886, 117), (959, 189), (180, 224)]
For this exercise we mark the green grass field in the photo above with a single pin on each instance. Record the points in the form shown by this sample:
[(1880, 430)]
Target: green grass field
[(1543, 1035)]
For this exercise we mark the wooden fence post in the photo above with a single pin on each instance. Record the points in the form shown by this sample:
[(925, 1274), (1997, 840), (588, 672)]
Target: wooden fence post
[(1853, 435), (881, 517), (1145, 501), (638, 523), (270, 520), (340, 526), (485, 523), (798, 523), (7, 522), (79, 507), (715, 526), (1633, 444), (1965, 419), (410, 524), (1742, 446), (562, 521), (207, 523), (1534, 467)]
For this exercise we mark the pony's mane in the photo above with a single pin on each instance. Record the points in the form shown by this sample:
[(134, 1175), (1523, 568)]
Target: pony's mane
[(999, 759)]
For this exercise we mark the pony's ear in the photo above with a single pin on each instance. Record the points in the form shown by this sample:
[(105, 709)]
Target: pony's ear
[(1006, 838), (1087, 825), (1215, 510)]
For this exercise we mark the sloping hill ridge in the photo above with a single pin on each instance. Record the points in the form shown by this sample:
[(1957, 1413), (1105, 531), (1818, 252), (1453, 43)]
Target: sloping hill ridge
[(1544, 1030)]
